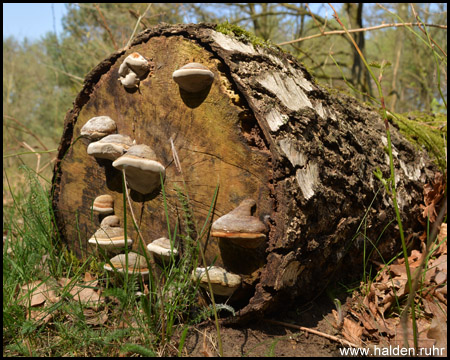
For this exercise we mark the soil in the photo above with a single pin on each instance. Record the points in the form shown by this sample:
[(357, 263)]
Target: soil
[(261, 338)]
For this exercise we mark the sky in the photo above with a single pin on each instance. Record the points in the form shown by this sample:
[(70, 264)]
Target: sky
[(34, 20), (31, 20)]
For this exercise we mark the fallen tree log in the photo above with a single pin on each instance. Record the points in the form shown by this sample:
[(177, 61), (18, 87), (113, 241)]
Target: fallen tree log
[(264, 130)]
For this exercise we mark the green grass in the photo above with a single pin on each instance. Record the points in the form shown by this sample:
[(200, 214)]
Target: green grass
[(136, 324)]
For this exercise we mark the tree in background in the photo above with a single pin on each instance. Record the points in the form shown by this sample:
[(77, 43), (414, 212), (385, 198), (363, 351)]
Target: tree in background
[(42, 78)]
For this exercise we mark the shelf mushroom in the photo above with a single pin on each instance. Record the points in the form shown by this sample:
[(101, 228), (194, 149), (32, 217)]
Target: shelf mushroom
[(98, 127), (110, 147), (137, 264), (142, 170), (104, 204), (110, 236), (133, 70), (193, 77), (240, 227), (223, 282), (162, 249)]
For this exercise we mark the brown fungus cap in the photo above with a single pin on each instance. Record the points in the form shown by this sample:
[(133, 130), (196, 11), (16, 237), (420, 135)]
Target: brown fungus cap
[(240, 227), (98, 127), (141, 169), (104, 204), (193, 77), (110, 147), (223, 282)]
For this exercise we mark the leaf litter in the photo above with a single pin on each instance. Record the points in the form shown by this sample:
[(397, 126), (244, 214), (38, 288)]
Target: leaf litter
[(374, 310)]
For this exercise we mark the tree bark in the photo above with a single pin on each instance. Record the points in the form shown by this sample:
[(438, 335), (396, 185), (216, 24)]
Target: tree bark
[(264, 130)]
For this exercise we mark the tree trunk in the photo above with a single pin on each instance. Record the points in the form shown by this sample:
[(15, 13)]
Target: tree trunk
[(264, 130)]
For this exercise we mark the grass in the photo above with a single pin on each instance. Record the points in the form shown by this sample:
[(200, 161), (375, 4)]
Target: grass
[(390, 186), (136, 324)]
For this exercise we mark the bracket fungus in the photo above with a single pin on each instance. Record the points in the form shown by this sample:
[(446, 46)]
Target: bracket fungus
[(240, 226), (98, 127), (223, 282), (193, 77), (133, 69), (141, 169), (110, 147), (111, 239), (111, 221), (104, 204), (137, 264), (162, 249)]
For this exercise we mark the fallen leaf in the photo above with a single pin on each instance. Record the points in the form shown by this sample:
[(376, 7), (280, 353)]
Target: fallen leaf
[(36, 293), (94, 317), (422, 340), (438, 331), (352, 331)]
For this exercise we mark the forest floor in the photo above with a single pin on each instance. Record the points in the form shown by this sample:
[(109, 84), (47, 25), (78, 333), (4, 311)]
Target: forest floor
[(262, 338)]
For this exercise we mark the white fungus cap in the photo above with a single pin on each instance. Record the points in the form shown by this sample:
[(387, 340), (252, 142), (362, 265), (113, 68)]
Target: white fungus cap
[(223, 282), (98, 127), (133, 69), (110, 238), (142, 170), (136, 264), (193, 77), (162, 248), (110, 147)]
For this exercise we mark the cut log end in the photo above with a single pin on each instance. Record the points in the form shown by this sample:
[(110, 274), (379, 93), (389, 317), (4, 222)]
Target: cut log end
[(262, 130)]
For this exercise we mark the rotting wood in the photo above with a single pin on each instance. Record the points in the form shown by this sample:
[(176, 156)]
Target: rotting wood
[(264, 130)]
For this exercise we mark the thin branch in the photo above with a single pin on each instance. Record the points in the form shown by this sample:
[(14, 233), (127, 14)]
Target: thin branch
[(322, 30), (311, 331), (340, 32), (26, 130), (36, 153), (423, 30), (137, 24), (107, 27)]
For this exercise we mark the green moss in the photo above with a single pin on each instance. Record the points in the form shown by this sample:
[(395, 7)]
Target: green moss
[(425, 131), (243, 35)]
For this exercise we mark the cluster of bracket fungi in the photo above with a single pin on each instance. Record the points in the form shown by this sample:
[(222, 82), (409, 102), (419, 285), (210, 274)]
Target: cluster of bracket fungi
[(142, 173)]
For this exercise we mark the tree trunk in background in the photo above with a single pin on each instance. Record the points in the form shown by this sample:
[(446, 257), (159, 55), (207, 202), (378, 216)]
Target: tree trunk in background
[(360, 74), (266, 131)]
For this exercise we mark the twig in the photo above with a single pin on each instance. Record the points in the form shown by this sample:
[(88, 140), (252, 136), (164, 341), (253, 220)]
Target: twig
[(107, 27), (340, 32), (423, 30), (137, 24), (322, 30), (36, 153), (311, 331), (26, 130), (136, 15)]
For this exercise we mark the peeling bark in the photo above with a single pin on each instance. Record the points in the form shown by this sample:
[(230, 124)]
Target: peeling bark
[(265, 130)]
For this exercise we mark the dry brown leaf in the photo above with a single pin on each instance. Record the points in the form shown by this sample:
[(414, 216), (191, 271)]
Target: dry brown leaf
[(438, 331), (352, 331), (39, 315), (86, 296), (36, 293), (422, 339), (95, 318), (367, 321), (432, 196), (90, 280), (205, 349)]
